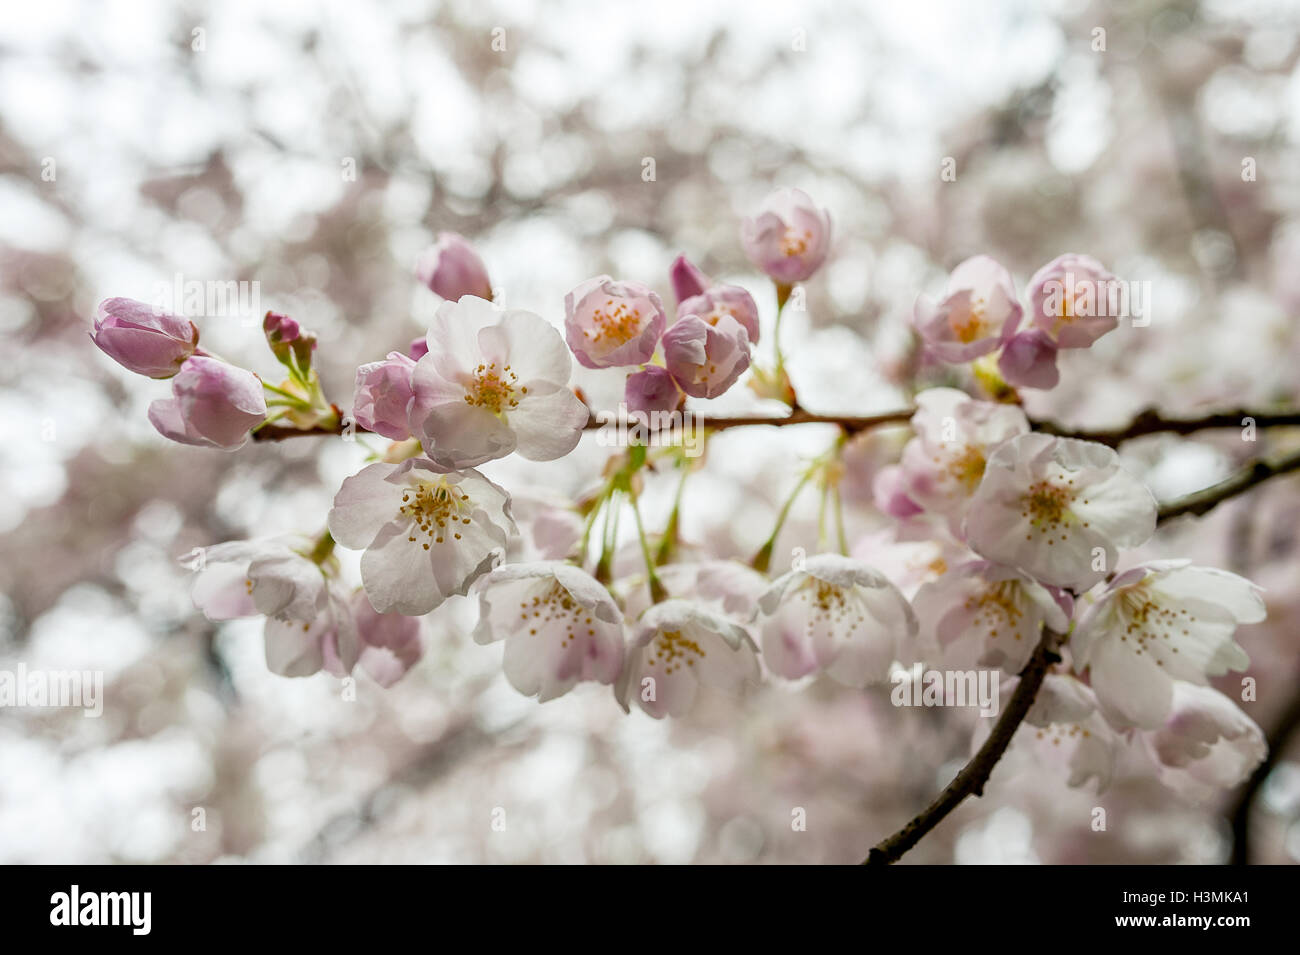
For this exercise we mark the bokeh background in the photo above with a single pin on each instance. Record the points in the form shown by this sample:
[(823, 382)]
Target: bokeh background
[(141, 141)]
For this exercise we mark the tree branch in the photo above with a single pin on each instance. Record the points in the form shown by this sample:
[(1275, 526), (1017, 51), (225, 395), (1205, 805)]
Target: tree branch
[(1146, 423), (973, 776), (1152, 421), (1257, 472), (850, 423)]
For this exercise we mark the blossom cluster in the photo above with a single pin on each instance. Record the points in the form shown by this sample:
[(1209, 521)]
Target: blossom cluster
[(1023, 532), (981, 315)]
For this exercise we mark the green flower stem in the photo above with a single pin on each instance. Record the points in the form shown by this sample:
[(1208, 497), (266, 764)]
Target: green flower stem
[(605, 565), (763, 559), (839, 523), (782, 297), (668, 545), (296, 399), (657, 590)]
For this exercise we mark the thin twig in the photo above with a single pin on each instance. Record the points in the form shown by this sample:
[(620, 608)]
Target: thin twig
[(1257, 472), (1151, 421)]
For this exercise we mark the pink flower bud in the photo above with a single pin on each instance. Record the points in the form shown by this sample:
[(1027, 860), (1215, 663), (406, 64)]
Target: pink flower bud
[(143, 339), (890, 488), (1071, 300), (213, 405), (390, 642), (280, 328), (419, 347), (451, 268), (789, 238), (289, 343), (652, 389), (719, 300), (1028, 360), (383, 396), (705, 360), (609, 323), (688, 281)]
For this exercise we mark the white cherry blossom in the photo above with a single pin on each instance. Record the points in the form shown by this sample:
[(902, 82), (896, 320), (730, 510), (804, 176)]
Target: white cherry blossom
[(1206, 745), (676, 648), (428, 532), (955, 434), (1058, 509), (988, 615), (493, 382), (308, 620), (835, 614), (560, 626), (1159, 623)]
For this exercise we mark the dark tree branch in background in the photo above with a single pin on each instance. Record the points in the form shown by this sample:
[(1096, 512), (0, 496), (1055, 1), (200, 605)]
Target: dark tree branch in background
[(1278, 740), (1151, 421), (1257, 472), (970, 781), (1146, 423)]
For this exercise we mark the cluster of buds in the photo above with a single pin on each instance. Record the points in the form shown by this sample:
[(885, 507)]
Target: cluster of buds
[(709, 343)]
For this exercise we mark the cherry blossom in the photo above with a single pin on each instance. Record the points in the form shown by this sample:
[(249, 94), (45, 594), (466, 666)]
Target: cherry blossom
[(789, 238), (1206, 745), (835, 614), (688, 281), (428, 532), (978, 313), (652, 389), (719, 300), (890, 488), (705, 360), (1070, 300), (389, 642), (493, 382), (1028, 360), (559, 624), (1159, 623), (451, 268), (609, 323), (308, 617), (144, 339), (213, 405), (1058, 509), (676, 648), (955, 435), (383, 396), (987, 615)]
